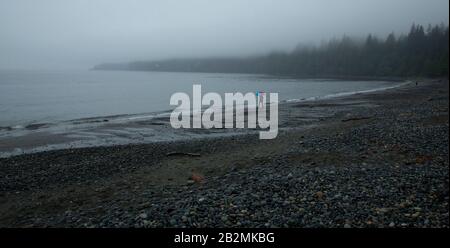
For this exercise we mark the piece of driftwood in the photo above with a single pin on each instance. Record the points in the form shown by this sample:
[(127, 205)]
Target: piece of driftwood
[(182, 154), (356, 119)]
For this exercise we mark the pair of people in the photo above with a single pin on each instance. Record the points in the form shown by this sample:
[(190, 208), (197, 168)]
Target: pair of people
[(260, 95)]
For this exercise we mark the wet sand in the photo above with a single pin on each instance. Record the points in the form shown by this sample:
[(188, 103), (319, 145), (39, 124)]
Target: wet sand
[(150, 127)]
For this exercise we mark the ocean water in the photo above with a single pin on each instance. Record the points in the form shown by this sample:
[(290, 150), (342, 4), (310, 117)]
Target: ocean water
[(34, 97)]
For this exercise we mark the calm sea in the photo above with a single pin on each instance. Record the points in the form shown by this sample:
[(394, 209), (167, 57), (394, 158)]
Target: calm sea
[(30, 97)]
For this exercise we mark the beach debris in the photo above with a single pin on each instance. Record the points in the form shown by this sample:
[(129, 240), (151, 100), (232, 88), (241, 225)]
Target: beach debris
[(356, 119), (143, 216), (196, 177), (183, 154), (382, 210), (319, 195), (423, 159)]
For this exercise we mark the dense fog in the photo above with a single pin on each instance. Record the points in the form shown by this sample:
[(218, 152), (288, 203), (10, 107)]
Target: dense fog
[(54, 34)]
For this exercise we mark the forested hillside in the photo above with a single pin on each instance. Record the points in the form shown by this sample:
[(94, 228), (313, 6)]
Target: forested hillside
[(422, 52)]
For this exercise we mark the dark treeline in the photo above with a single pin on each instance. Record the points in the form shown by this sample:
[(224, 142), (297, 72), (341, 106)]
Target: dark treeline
[(423, 52)]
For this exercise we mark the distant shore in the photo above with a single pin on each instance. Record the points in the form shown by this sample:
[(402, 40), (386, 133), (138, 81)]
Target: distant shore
[(322, 76), (378, 159)]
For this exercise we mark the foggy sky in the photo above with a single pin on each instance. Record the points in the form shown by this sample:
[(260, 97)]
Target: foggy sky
[(44, 34)]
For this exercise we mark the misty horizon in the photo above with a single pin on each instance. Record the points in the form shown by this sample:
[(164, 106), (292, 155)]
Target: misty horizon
[(81, 34)]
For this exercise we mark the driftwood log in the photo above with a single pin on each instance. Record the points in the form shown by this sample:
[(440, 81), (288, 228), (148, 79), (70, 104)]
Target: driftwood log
[(356, 119), (183, 154)]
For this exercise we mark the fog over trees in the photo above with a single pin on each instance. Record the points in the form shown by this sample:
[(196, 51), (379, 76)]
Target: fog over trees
[(79, 34), (422, 52)]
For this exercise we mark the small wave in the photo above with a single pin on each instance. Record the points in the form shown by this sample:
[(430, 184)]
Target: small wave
[(350, 93), (119, 118), (6, 128)]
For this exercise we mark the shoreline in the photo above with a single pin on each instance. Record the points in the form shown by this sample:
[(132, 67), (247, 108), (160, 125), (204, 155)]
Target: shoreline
[(378, 159), (330, 77), (42, 137)]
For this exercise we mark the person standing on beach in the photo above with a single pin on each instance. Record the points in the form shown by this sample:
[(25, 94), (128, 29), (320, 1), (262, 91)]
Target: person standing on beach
[(261, 99)]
